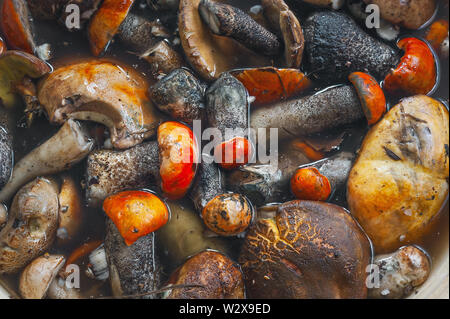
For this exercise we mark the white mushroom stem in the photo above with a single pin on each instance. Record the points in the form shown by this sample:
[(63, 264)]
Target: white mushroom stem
[(66, 148)]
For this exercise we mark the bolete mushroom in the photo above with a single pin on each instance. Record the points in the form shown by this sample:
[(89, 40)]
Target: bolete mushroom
[(67, 147), (308, 250), (31, 226), (14, 67), (217, 275), (37, 277), (103, 92), (400, 180), (211, 55)]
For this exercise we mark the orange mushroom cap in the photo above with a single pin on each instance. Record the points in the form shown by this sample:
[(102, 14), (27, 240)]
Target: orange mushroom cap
[(234, 153), (179, 157), (437, 33), (309, 184), (416, 73), (371, 95), (269, 85), (136, 213)]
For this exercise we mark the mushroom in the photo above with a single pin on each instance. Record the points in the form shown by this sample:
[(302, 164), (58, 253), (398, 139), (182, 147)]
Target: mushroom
[(3, 215), (309, 184), (102, 92), (285, 21), (137, 167), (70, 212), (227, 109), (308, 250), (31, 227), (113, 18), (15, 22), (226, 20), (180, 95), (136, 213), (412, 14), (2, 46), (135, 269), (437, 36), (15, 66), (217, 275), (399, 183), (211, 55), (67, 147), (223, 213), (399, 273), (6, 149), (178, 151), (37, 277)]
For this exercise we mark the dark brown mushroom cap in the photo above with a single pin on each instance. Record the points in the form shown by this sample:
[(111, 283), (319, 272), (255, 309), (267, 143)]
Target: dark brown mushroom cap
[(220, 277), (309, 250)]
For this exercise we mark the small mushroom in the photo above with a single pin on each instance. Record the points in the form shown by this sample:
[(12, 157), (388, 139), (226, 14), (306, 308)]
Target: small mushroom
[(37, 277), (136, 214), (162, 58), (400, 273), (70, 212), (15, 66), (309, 184), (226, 20), (211, 55), (102, 92), (437, 35), (412, 14), (15, 23), (180, 95), (67, 147), (217, 275), (31, 227), (178, 156), (285, 21)]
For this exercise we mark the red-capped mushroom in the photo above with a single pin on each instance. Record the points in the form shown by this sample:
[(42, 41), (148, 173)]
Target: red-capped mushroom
[(309, 184)]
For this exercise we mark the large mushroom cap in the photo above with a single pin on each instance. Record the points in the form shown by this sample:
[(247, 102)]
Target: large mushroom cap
[(211, 55), (103, 92), (309, 250)]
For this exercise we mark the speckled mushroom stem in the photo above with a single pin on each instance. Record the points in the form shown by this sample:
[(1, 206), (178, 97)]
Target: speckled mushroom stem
[(226, 20)]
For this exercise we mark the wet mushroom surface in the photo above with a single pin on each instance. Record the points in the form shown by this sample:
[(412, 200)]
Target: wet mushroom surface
[(223, 149)]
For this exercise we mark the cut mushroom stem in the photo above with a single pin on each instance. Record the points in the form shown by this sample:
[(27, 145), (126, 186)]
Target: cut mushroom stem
[(398, 274), (99, 264), (226, 20), (67, 147)]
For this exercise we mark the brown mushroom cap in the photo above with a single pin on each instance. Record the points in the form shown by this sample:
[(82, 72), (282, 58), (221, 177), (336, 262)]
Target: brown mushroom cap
[(220, 277), (309, 250), (31, 226), (14, 66), (211, 55), (103, 92), (37, 276)]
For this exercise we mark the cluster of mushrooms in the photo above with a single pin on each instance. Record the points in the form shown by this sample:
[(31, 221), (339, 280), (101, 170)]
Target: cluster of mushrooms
[(185, 223)]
